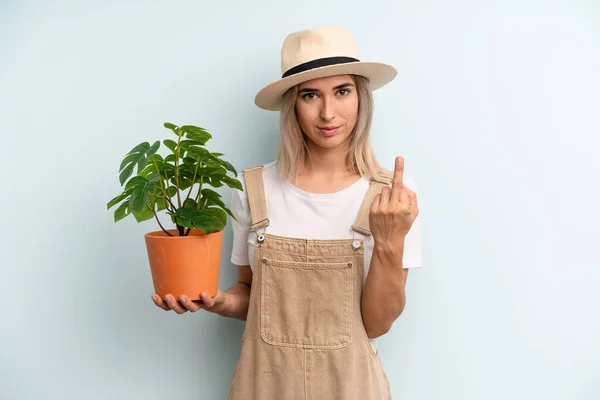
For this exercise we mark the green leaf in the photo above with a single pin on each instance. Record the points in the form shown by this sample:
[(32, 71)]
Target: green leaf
[(118, 199), (137, 156), (218, 213), (122, 211), (228, 211), (229, 167), (131, 159), (219, 203), (186, 144), (186, 169), (138, 200), (211, 194), (135, 181), (161, 204), (171, 191), (196, 133), (218, 161), (212, 172), (182, 221), (168, 168), (140, 194), (191, 161), (184, 183), (147, 156), (207, 220), (216, 202), (216, 157), (126, 173), (154, 161), (143, 215), (213, 182), (171, 145), (156, 158), (198, 153), (200, 136), (173, 127), (190, 203), (232, 183)]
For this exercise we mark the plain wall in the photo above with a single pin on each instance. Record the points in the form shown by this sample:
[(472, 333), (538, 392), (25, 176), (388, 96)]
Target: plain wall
[(495, 110)]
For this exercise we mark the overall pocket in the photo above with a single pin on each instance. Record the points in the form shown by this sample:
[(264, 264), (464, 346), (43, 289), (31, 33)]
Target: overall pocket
[(306, 304)]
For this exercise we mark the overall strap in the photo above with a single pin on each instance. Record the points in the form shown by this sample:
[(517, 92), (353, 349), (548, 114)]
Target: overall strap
[(256, 197), (361, 225)]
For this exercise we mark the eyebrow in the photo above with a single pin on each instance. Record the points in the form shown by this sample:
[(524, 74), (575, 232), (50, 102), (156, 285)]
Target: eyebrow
[(342, 86)]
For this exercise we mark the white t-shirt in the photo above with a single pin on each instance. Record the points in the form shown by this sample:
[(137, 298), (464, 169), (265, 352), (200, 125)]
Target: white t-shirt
[(295, 213)]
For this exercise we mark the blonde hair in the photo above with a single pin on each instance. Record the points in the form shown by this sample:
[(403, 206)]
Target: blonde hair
[(292, 149)]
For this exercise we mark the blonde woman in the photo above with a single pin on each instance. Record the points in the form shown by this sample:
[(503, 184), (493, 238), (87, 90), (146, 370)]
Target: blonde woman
[(324, 238)]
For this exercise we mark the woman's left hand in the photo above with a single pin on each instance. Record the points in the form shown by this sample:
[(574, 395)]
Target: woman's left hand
[(393, 211)]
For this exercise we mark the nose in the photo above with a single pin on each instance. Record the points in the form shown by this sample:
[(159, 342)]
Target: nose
[(327, 112)]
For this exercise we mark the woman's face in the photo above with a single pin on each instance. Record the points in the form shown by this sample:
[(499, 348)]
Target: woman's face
[(327, 109)]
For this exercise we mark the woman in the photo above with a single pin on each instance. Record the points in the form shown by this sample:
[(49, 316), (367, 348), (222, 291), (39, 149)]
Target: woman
[(322, 239)]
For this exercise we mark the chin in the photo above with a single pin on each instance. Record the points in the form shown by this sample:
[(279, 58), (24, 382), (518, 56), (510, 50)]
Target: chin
[(328, 142)]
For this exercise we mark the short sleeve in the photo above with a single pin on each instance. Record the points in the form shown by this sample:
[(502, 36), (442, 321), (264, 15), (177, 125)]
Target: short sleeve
[(241, 228), (413, 249)]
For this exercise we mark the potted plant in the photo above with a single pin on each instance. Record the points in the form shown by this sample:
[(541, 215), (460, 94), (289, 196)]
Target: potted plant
[(185, 259)]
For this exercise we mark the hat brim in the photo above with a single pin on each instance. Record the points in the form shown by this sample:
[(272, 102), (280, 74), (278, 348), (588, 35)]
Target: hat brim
[(378, 74)]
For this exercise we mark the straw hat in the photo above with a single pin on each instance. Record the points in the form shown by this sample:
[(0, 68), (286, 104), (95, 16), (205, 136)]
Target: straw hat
[(318, 53)]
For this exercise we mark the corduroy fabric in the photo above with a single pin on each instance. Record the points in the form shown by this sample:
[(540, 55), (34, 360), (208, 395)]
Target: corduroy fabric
[(304, 337)]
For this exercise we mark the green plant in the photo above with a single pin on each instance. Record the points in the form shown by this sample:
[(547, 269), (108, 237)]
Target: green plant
[(160, 182)]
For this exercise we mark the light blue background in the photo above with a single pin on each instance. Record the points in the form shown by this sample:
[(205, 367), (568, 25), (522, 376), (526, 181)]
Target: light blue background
[(495, 109)]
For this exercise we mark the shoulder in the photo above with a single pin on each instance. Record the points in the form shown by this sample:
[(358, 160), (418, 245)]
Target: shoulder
[(268, 171)]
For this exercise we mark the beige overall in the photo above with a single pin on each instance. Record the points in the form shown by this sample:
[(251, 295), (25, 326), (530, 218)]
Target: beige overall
[(304, 337)]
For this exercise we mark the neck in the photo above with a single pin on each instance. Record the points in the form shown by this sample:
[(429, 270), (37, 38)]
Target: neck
[(330, 163)]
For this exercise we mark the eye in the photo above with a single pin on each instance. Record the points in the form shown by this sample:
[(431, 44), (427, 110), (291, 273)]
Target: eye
[(308, 96), (344, 92)]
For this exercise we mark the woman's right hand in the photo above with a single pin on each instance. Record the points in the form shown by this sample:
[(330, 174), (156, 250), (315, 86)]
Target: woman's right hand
[(213, 304)]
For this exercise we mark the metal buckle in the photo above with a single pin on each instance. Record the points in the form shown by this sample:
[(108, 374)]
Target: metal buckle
[(258, 223), (358, 239), (260, 237)]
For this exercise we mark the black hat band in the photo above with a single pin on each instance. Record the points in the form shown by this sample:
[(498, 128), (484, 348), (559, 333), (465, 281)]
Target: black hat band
[(320, 62)]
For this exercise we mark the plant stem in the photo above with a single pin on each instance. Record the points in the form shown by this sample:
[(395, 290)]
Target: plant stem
[(177, 150), (199, 193), (162, 189), (167, 184), (168, 201), (157, 220), (193, 181)]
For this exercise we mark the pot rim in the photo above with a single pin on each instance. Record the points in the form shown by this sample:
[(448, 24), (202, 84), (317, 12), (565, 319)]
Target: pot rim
[(160, 234)]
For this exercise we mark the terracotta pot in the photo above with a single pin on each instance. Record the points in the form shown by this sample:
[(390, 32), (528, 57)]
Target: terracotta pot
[(185, 265)]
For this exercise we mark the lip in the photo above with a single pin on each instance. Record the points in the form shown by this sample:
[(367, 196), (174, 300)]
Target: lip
[(329, 130)]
